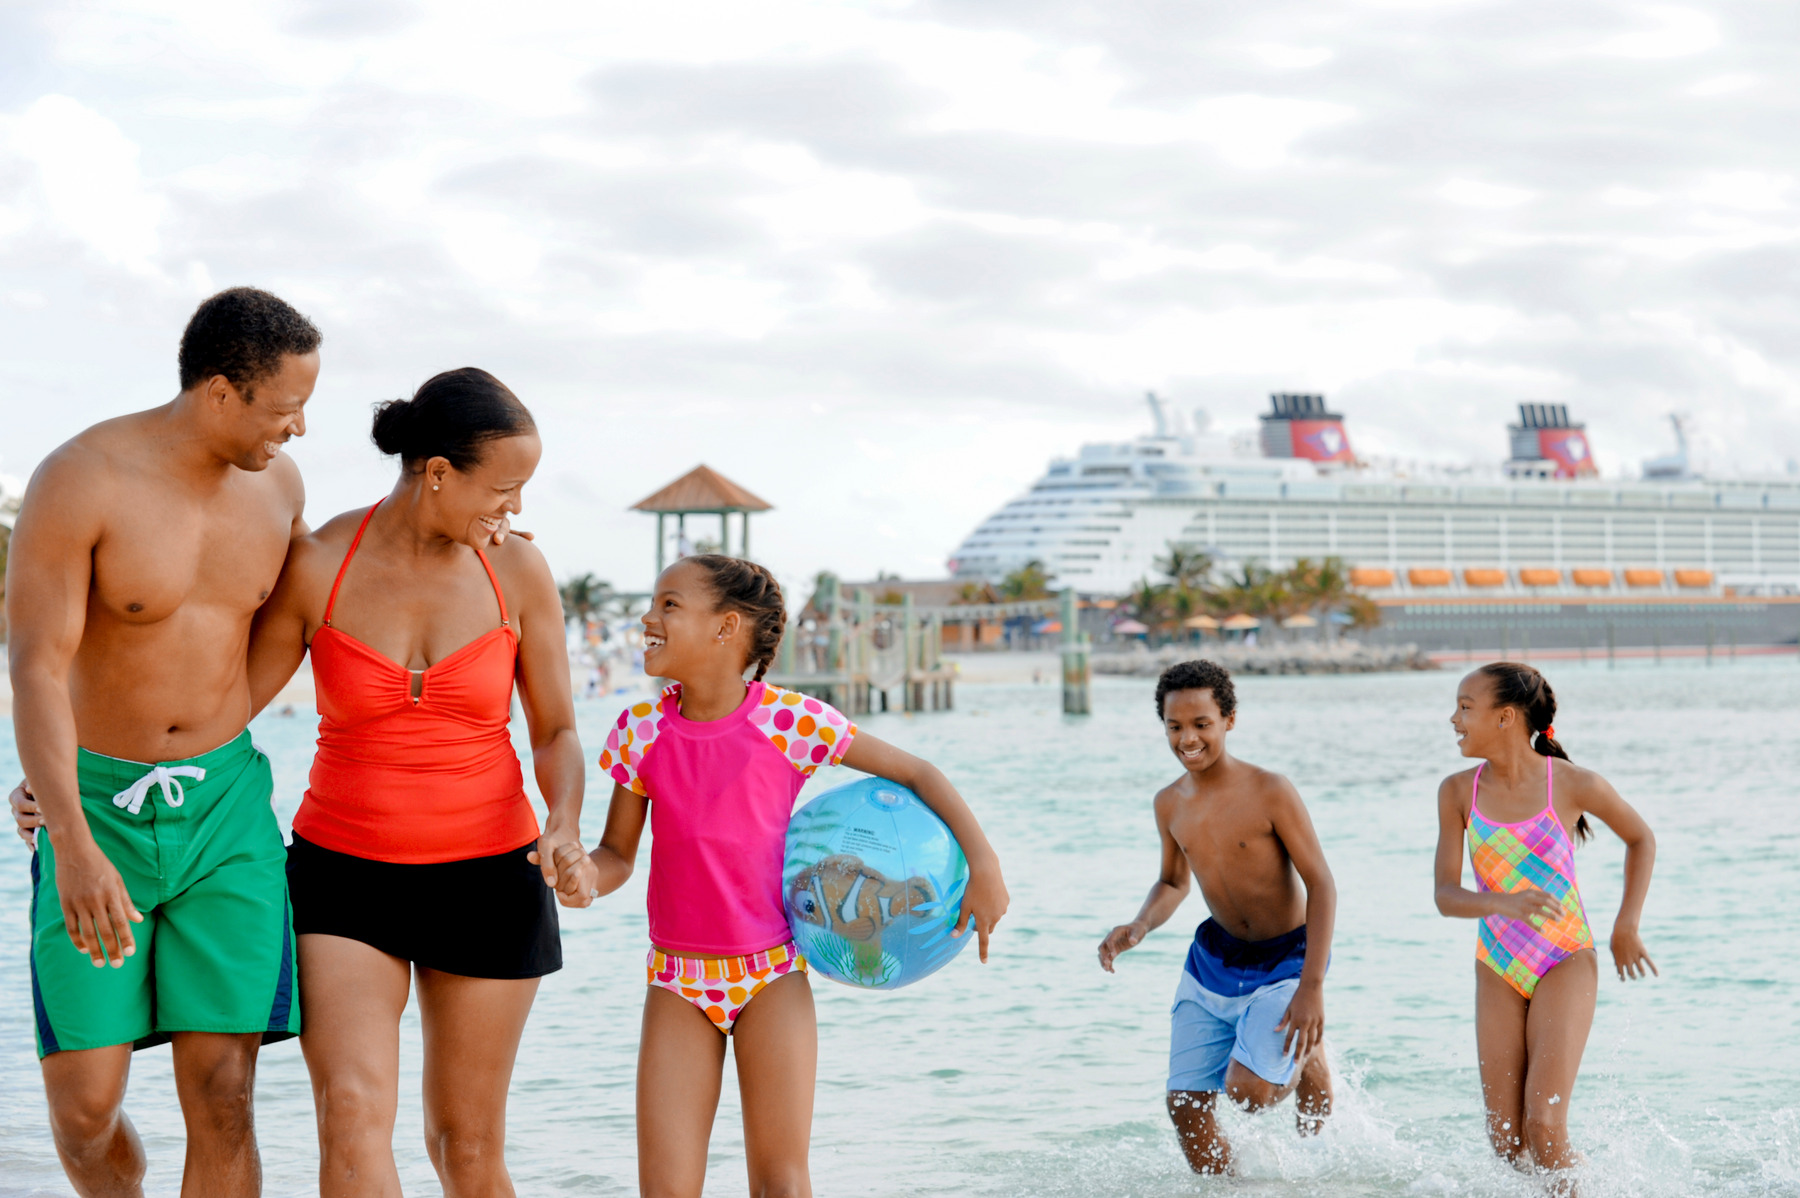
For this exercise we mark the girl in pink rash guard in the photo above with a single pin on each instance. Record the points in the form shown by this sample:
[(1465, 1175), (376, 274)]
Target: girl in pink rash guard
[(715, 764)]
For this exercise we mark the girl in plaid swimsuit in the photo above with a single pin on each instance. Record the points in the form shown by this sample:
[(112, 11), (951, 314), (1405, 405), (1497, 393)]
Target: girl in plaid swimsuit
[(1536, 972)]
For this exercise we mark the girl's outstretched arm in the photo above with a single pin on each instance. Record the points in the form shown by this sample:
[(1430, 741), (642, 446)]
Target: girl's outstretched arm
[(616, 854), (1453, 898), (1598, 798), (986, 899)]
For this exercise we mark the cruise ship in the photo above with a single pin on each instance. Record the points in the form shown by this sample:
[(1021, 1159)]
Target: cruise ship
[(1539, 547)]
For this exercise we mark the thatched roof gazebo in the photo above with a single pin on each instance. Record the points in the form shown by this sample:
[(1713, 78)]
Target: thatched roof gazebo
[(702, 491)]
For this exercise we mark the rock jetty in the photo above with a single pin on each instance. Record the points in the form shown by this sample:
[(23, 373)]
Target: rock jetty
[(1300, 657)]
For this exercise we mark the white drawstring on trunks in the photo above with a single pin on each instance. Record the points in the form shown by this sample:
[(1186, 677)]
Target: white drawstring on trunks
[(166, 776)]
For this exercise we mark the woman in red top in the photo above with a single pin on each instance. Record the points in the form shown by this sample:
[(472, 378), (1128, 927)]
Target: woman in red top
[(416, 853)]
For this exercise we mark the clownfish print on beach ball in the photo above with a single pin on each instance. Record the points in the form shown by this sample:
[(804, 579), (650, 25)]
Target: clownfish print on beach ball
[(873, 883)]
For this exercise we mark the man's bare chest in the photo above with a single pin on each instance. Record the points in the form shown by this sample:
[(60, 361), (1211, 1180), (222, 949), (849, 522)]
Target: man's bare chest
[(165, 553)]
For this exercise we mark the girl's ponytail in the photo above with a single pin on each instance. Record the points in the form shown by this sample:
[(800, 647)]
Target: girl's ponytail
[(1526, 689)]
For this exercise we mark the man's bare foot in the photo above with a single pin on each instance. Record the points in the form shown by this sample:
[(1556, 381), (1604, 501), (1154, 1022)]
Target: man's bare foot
[(1312, 1094)]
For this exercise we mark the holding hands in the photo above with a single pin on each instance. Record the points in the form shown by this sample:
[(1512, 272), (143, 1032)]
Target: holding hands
[(566, 867)]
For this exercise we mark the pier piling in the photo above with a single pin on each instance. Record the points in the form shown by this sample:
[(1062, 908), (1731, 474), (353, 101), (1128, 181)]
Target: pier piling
[(1077, 675)]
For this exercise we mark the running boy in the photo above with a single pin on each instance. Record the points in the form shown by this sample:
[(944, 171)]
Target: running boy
[(1249, 1014)]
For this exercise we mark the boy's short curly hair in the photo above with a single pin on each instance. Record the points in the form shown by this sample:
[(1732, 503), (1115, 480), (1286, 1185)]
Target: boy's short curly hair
[(1198, 676)]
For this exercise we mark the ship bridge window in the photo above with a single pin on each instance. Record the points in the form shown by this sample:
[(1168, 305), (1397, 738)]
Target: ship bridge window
[(1110, 471)]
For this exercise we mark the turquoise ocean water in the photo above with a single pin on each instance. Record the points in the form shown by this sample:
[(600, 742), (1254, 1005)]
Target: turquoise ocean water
[(1040, 1075)]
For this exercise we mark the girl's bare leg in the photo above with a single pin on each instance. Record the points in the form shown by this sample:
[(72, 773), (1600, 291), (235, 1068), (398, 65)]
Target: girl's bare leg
[(1500, 1047), (681, 1063), (1197, 1130), (353, 996), (776, 1040), (1556, 1033), (472, 1028)]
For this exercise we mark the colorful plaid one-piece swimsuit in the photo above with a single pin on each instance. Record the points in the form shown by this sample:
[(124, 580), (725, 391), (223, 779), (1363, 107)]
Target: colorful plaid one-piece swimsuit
[(1512, 857)]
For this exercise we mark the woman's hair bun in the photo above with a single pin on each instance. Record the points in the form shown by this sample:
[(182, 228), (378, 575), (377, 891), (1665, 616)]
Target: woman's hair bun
[(391, 421), (452, 415)]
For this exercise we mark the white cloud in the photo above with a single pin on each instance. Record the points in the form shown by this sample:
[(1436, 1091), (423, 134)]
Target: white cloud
[(1476, 194), (86, 182), (1291, 58), (1675, 33)]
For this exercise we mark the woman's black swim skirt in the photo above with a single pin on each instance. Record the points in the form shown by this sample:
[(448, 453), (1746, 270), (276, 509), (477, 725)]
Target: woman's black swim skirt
[(486, 917)]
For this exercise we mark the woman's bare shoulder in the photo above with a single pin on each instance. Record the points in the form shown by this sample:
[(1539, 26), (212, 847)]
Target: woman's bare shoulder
[(520, 563), (324, 547)]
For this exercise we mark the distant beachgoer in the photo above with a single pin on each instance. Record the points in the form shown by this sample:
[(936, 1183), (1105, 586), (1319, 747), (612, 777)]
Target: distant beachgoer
[(1249, 1015), (715, 765), (416, 854), (143, 549), (683, 546), (1536, 970)]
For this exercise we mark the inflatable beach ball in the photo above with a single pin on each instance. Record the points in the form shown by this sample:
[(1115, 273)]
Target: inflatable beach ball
[(873, 884)]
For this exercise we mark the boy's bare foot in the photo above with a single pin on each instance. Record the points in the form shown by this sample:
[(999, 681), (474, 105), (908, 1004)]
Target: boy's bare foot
[(1312, 1094)]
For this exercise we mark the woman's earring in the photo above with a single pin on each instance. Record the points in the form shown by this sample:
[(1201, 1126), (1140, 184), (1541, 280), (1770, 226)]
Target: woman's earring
[(434, 486)]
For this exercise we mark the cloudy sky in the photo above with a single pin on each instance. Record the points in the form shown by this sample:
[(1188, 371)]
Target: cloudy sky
[(880, 261)]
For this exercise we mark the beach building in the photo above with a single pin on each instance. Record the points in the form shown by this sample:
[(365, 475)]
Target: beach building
[(1538, 547), (702, 491)]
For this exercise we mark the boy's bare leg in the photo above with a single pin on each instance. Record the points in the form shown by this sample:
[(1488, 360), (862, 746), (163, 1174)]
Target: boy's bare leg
[(98, 1146), (1311, 1084), (776, 1041), (1197, 1130), (1312, 1093), (215, 1079)]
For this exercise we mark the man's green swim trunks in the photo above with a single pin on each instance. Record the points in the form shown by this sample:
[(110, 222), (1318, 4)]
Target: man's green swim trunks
[(201, 854)]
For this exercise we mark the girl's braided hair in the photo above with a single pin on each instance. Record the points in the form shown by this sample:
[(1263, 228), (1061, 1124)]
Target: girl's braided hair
[(751, 591), (1521, 687)]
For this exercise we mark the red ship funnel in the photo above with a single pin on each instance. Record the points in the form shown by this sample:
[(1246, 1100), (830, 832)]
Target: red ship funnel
[(1299, 426), (1545, 443)]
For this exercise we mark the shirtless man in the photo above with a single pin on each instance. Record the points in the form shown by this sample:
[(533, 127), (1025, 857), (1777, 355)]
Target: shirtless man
[(143, 549), (1249, 1013)]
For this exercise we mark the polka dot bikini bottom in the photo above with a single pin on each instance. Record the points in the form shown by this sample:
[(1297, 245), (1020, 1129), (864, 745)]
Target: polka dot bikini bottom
[(720, 988)]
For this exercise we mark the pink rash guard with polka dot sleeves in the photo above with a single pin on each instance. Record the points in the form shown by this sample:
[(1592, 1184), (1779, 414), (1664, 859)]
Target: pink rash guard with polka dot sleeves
[(720, 796)]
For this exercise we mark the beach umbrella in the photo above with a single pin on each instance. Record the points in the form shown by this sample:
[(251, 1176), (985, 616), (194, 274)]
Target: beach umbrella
[(1300, 621), (1130, 628), (1205, 622), (1241, 623)]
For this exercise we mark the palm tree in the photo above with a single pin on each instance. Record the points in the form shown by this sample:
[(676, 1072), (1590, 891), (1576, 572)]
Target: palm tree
[(1186, 567), (584, 596), (1363, 611), (975, 592), (1030, 581), (1147, 600), (1320, 587)]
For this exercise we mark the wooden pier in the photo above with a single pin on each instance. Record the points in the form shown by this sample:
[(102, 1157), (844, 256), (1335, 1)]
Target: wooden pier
[(855, 653)]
